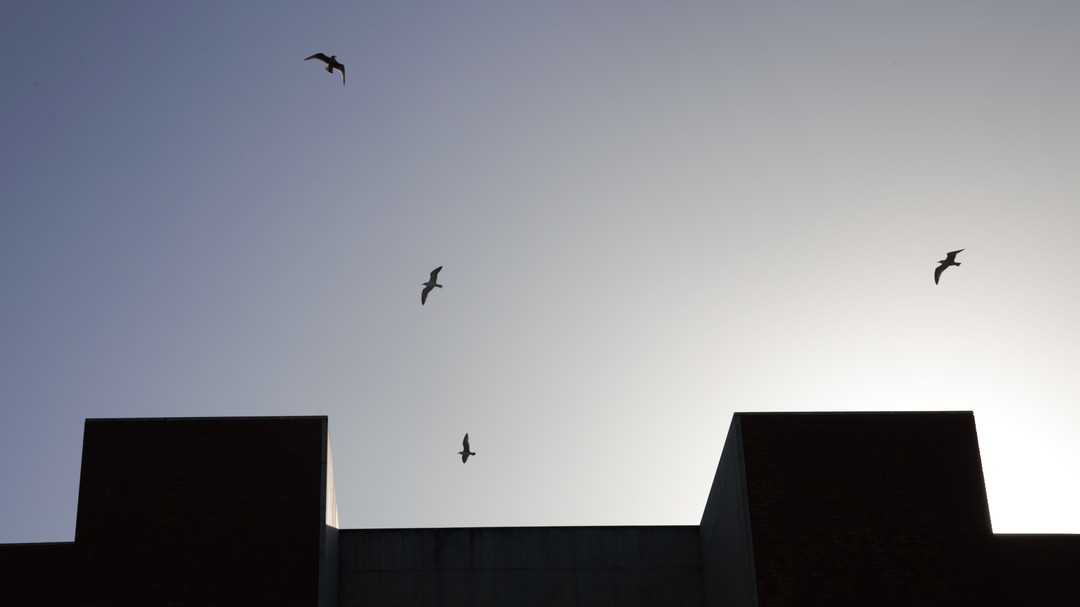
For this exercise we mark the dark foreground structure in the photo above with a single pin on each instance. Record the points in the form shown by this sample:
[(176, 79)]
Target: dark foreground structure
[(805, 509)]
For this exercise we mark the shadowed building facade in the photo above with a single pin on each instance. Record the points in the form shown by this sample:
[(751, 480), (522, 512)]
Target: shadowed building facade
[(222, 511), (805, 509)]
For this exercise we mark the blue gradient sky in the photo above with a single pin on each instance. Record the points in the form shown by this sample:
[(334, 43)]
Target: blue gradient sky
[(651, 215)]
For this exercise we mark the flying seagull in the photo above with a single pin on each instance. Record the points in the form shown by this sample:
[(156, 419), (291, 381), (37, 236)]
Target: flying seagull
[(428, 286), (331, 63), (950, 260), (465, 453)]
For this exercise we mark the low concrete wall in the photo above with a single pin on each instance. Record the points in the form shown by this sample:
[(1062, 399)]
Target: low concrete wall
[(1037, 570), (628, 566)]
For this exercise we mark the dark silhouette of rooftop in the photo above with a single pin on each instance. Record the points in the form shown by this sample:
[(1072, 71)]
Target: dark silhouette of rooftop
[(805, 509)]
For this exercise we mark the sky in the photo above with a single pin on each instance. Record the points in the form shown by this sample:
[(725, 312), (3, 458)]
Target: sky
[(650, 215)]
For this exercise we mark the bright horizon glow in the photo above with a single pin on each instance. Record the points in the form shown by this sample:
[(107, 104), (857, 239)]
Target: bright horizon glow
[(649, 217)]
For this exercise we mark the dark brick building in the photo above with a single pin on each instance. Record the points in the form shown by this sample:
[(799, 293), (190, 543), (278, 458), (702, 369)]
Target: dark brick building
[(224, 511), (805, 509)]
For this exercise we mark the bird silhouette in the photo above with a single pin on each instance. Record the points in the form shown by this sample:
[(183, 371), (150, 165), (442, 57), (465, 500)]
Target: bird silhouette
[(429, 285), (950, 260), (331, 64), (465, 453)]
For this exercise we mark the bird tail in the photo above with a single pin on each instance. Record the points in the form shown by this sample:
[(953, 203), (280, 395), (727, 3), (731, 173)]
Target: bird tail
[(329, 69)]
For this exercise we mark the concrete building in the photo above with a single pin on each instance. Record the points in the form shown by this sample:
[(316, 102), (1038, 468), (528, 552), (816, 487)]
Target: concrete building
[(805, 509)]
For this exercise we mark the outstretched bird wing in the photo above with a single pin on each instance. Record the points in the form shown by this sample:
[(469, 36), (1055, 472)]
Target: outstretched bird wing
[(938, 271), (435, 274), (341, 68), (465, 453), (951, 257), (321, 57), (423, 294)]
